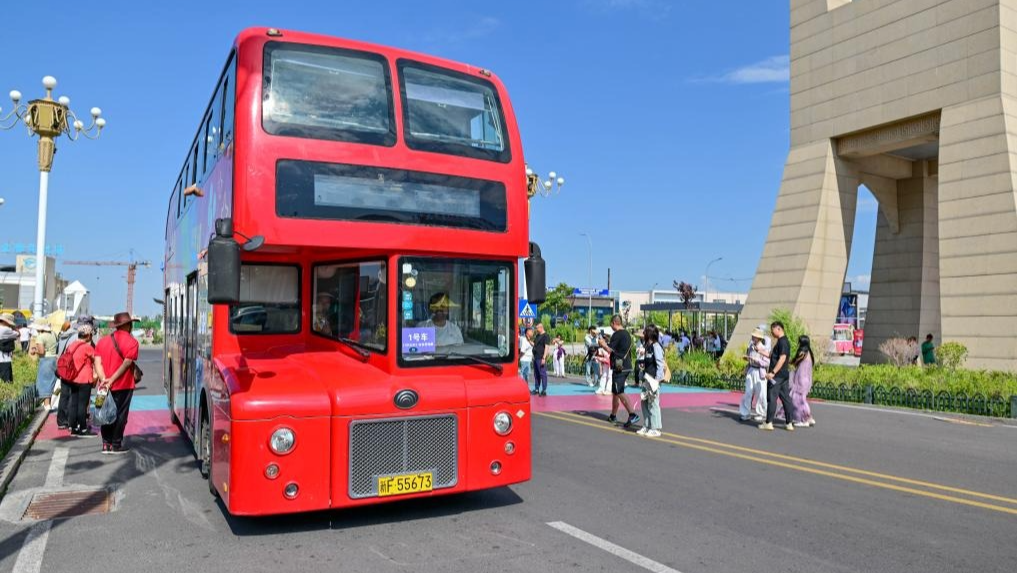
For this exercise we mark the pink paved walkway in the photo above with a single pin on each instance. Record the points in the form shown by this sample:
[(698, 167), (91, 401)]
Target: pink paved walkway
[(154, 422)]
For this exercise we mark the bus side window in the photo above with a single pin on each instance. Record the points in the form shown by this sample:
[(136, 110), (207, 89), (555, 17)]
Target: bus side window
[(229, 103), (213, 130), (201, 150)]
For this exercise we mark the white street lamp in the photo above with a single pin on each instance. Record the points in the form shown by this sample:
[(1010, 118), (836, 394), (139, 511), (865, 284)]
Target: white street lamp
[(589, 292), (706, 278), (48, 119)]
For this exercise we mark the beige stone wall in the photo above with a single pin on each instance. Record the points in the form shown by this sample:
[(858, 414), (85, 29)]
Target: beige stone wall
[(978, 229), (871, 62), (807, 249), (946, 254), (904, 294)]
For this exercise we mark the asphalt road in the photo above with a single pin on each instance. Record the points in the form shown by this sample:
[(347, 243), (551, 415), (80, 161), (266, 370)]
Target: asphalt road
[(865, 490)]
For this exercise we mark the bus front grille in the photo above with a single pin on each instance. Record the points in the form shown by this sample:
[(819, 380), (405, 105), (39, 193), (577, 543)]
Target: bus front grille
[(380, 448)]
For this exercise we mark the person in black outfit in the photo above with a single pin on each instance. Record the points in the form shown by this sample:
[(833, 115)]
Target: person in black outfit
[(621, 348), (777, 380), (540, 342)]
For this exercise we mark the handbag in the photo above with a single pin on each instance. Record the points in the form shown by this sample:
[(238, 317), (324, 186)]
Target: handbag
[(138, 373)]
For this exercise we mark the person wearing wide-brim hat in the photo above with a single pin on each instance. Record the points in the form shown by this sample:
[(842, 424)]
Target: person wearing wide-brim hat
[(45, 348), (119, 354), (8, 340), (757, 358)]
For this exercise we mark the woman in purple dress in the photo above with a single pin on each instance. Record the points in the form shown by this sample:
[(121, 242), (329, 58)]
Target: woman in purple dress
[(801, 383)]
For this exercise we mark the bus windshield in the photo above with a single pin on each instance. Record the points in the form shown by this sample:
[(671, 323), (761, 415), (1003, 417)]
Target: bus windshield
[(452, 309), (350, 303), (327, 93)]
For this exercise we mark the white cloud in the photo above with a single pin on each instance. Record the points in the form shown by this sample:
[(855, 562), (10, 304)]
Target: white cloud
[(775, 69)]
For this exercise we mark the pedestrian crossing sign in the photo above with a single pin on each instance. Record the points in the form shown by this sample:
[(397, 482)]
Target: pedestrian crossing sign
[(527, 310)]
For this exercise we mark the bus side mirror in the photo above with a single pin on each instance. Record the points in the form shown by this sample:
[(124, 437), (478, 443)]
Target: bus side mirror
[(223, 258), (536, 278)]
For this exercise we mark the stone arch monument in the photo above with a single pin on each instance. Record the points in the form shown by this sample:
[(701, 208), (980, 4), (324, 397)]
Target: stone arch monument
[(917, 100)]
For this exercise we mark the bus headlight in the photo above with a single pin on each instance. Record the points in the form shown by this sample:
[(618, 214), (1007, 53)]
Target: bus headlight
[(282, 441), (502, 423)]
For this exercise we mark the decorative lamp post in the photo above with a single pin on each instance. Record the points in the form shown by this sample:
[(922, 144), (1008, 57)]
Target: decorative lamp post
[(48, 119), (535, 185)]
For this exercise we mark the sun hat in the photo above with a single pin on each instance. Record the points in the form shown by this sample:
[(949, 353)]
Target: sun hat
[(41, 326), (758, 333), (7, 318), (122, 318), (85, 330)]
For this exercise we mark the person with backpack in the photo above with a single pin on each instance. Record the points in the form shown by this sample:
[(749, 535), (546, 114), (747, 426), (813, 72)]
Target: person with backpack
[(654, 372), (64, 339), (8, 342), (81, 367), (119, 352)]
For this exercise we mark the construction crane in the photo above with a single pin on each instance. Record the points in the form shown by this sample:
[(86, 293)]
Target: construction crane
[(132, 271)]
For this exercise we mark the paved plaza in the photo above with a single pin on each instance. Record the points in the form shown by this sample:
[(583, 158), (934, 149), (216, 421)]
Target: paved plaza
[(865, 490)]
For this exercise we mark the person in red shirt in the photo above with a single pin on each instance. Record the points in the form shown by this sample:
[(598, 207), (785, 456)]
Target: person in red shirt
[(119, 353), (87, 368)]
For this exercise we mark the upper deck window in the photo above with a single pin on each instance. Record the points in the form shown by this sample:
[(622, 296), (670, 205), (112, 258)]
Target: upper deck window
[(451, 112), (327, 93)]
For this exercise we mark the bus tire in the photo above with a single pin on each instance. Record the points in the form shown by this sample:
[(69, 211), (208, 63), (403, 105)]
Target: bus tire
[(206, 453)]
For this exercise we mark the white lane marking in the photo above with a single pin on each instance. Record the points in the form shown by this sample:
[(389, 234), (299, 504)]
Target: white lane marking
[(616, 550), (30, 556), (55, 475), (32, 551)]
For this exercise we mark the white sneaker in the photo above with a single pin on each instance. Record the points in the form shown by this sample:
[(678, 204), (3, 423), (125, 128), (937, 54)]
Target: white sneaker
[(812, 422), (642, 431), (790, 427), (653, 434), (767, 427)]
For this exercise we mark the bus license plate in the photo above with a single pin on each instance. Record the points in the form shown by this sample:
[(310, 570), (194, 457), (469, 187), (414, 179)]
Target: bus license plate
[(404, 484)]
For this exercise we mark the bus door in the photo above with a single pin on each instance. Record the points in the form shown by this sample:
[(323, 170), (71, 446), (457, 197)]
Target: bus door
[(190, 349)]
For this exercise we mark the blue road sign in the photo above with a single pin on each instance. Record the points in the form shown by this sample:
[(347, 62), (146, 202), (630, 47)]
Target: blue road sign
[(527, 310), (591, 292)]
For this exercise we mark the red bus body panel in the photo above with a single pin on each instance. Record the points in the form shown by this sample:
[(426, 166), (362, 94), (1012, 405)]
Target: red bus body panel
[(252, 385)]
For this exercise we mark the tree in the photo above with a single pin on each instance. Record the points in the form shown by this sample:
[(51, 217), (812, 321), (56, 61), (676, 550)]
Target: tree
[(558, 299), (686, 291)]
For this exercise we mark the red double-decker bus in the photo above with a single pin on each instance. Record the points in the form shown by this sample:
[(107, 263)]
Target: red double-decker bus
[(342, 246)]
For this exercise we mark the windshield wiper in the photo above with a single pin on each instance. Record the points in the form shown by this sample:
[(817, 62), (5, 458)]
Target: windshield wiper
[(470, 357), (354, 346)]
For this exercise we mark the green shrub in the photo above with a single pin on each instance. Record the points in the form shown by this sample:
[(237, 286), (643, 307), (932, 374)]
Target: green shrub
[(951, 355), (732, 362), (989, 383), (24, 375)]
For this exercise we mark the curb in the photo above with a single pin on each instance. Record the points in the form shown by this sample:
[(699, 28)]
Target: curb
[(12, 461)]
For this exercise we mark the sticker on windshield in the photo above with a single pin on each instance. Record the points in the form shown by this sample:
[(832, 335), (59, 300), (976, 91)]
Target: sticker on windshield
[(418, 340)]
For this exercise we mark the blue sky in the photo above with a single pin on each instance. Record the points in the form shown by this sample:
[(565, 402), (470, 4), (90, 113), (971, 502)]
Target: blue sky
[(669, 120)]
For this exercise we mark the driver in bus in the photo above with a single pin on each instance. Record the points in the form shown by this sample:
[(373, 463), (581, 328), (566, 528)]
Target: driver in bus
[(322, 321), (446, 333)]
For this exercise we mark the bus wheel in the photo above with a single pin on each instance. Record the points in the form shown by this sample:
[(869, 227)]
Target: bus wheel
[(205, 461)]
